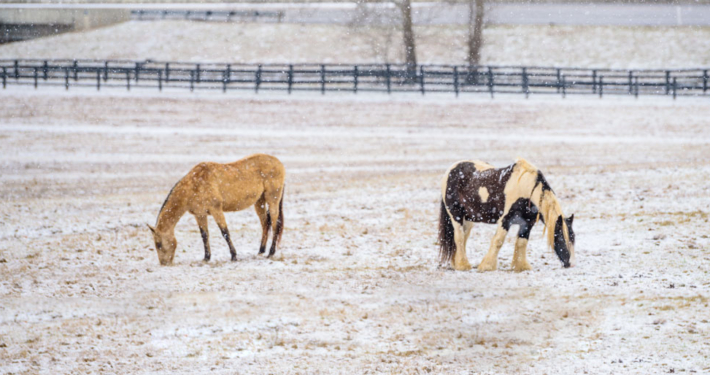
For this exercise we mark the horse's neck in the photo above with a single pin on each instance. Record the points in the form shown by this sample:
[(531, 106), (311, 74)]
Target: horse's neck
[(171, 213)]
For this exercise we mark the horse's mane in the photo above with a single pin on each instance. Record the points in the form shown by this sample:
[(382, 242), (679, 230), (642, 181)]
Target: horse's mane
[(548, 204), (165, 202)]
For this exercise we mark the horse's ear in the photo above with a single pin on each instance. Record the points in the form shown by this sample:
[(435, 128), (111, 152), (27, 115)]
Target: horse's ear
[(570, 219), (151, 228)]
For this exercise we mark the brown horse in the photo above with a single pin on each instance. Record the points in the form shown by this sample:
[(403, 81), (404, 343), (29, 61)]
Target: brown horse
[(212, 189)]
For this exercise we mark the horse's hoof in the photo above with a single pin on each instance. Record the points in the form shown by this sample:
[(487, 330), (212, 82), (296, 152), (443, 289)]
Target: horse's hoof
[(207, 259), (521, 267), (463, 267), (234, 259), (483, 267)]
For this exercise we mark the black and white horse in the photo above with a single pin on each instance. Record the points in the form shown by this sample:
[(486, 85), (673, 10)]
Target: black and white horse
[(476, 192)]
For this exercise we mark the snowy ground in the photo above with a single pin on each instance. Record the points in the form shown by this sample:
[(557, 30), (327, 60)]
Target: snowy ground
[(355, 287), (582, 46)]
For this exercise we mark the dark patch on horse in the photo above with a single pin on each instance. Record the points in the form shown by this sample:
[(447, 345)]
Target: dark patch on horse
[(560, 244), (541, 180), (522, 213), (166, 201), (462, 193), (225, 234), (205, 241)]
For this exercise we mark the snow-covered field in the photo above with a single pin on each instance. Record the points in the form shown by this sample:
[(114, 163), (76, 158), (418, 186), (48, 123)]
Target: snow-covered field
[(355, 287), (582, 46)]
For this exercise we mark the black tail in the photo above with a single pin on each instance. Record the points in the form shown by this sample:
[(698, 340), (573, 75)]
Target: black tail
[(280, 222), (447, 245)]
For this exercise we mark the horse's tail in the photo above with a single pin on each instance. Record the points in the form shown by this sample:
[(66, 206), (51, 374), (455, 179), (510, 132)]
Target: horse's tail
[(447, 245), (280, 221)]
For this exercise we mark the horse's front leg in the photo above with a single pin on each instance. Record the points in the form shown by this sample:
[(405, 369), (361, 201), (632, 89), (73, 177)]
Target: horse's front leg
[(490, 261), (520, 257), (202, 223), (218, 216)]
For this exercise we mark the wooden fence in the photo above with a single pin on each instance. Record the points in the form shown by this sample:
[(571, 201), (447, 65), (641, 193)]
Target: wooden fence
[(207, 15), (389, 78)]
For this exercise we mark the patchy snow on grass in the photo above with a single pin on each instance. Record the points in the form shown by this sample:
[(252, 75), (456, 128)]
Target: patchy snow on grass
[(355, 286), (580, 46)]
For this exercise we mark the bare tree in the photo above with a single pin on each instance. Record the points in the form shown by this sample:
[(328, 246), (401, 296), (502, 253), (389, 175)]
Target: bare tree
[(410, 51), (475, 31)]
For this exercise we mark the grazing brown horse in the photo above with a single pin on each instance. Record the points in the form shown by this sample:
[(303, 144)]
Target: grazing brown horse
[(212, 189), (474, 191)]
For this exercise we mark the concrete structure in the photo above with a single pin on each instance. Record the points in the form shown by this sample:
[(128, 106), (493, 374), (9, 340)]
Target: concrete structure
[(23, 23)]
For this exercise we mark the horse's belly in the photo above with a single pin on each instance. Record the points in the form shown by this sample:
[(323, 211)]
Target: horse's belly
[(240, 201)]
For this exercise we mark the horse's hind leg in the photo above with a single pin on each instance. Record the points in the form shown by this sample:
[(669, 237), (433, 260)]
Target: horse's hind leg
[(202, 223), (265, 219), (274, 199), (460, 261), (490, 261), (218, 216)]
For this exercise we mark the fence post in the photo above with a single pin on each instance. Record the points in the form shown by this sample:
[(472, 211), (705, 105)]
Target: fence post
[(290, 77), (389, 83), (490, 81), (17, 70), (421, 77), (631, 80), (257, 79), (66, 78), (4, 77), (167, 72), (225, 78), (192, 80), (76, 70), (160, 80), (45, 69), (601, 86), (564, 87), (675, 87), (138, 69), (636, 89), (355, 76), (105, 71), (456, 81), (558, 80), (197, 73), (594, 81), (98, 80), (668, 81), (322, 79), (35, 77), (128, 80), (526, 90), (705, 81)]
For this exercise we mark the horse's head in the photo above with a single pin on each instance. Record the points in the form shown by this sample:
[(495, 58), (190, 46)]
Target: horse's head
[(165, 244), (564, 245)]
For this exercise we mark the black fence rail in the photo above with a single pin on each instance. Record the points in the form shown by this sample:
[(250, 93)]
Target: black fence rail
[(389, 78), (208, 15)]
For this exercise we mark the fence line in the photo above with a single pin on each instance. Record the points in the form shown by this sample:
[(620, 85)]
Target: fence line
[(389, 78), (207, 15)]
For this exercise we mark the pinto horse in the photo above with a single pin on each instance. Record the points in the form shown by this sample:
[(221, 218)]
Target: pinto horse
[(476, 192), (212, 189)]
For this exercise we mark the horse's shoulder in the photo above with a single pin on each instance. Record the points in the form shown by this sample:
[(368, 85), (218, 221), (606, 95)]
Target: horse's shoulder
[(481, 165), (525, 165)]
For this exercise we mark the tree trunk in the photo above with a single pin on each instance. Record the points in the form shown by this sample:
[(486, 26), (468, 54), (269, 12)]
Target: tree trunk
[(408, 34), (475, 31)]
